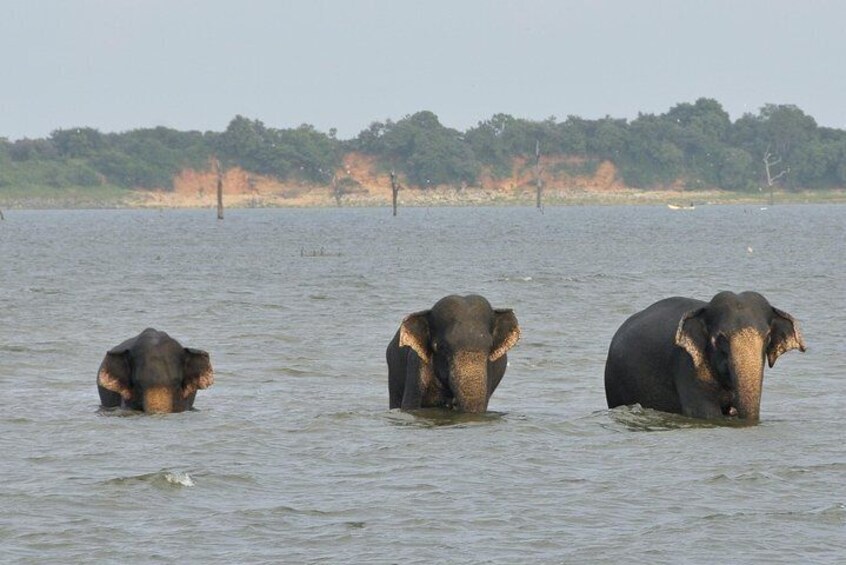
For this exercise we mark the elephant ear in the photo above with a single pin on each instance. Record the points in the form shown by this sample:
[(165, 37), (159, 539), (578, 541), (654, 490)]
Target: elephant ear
[(414, 333), (198, 372), (506, 332), (692, 335), (115, 371), (784, 336)]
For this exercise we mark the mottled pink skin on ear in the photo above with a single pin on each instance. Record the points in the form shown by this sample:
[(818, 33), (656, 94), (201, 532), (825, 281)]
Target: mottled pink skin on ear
[(414, 333), (109, 382), (205, 380)]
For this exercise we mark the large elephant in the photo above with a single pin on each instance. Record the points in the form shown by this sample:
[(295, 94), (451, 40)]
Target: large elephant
[(700, 359), (450, 356), (154, 373)]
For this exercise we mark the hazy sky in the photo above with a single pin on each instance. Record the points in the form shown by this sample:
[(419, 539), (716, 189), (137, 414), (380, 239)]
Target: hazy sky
[(193, 65)]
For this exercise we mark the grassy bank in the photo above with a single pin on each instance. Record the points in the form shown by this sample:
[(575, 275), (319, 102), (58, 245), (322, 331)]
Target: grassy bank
[(46, 197), (698, 198)]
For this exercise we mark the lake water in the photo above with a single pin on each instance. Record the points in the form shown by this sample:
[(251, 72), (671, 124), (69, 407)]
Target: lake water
[(293, 455)]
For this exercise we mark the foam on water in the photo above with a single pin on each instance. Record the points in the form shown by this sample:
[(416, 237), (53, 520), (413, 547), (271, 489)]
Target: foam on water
[(161, 479), (179, 478)]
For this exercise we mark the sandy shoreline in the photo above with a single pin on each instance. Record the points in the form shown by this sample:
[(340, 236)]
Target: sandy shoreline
[(322, 197)]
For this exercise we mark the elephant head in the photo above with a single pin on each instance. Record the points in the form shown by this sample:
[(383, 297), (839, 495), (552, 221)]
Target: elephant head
[(464, 341), (728, 339), (154, 373)]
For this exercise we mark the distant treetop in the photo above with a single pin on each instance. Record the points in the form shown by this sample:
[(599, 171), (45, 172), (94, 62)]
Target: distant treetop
[(694, 145)]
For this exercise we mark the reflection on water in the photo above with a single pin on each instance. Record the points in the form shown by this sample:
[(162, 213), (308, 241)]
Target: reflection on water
[(638, 419), (293, 456), (436, 417)]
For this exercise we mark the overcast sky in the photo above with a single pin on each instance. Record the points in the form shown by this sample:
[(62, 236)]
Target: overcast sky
[(118, 65)]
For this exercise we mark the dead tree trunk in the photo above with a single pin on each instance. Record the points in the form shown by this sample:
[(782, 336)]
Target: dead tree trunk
[(768, 163), (336, 190), (219, 189), (394, 190), (538, 182)]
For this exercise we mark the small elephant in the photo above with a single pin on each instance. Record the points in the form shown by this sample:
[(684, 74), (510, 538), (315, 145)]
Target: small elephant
[(699, 359), (450, 356), (154, 373)]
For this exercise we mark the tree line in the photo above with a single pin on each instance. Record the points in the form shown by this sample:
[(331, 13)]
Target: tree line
[(695, 145)]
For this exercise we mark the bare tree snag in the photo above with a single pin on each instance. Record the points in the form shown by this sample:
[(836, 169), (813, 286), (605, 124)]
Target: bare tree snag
[(337, 192), (538, 182), (769, 162), (394, 190), (219, 189)]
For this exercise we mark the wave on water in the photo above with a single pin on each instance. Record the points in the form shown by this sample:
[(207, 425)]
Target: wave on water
[(179, 478), (44, 290), (116, 412), (636, 418), (438, 417), (162, 479), (124, 412), (561, 279), (749, 476), (835, 513), (831, 514)]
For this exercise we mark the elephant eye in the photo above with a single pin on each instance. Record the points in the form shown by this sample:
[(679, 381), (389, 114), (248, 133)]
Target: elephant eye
[(720, 343)]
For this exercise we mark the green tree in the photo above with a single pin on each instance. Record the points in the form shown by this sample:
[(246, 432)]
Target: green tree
[(572, 136), (651, 157), (781, 131), (247, 143), (427, 152), (32, 149), (815, 164), (371, 140), (488, 145), (736, 170), (78, 142), (700, 131), (302, 152), (786, 127), (609, 139), (310, 154)]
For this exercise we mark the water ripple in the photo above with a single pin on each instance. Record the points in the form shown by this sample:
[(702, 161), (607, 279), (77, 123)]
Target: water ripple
[(163, 479)]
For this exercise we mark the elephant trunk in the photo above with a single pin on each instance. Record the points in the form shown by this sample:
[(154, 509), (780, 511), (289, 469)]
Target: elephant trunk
[(158, 400), (468, 380), (747, 372)]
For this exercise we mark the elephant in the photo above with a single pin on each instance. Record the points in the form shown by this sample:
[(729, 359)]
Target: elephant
[(699, 359), (451, 356), (152, 372)]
